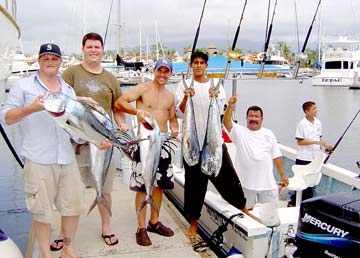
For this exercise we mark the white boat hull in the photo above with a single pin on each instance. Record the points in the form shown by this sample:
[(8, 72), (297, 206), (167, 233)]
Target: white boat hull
[(321, 80), (250, 237)]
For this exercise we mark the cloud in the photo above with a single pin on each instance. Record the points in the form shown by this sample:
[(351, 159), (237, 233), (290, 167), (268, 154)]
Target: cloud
[(62, 22)]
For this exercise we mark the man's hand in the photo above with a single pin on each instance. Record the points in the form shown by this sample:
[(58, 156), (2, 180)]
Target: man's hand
[(174, 132), (123, 127), (141, 115), (284, 180), (37, 104), (88, 101), (213, 92), (232, 100), (106, 144)]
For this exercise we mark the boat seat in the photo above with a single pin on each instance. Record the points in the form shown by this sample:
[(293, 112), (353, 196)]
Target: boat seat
[(306, 176)]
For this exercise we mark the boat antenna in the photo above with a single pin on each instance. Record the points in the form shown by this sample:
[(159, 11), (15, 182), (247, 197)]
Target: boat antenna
[(296, 69), (234, 42), (196, 38), (341, 137), (267, 41), (108, 22), (11, 147)]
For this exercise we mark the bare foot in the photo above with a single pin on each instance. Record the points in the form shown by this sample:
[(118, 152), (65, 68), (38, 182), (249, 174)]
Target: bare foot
[(192, 229)]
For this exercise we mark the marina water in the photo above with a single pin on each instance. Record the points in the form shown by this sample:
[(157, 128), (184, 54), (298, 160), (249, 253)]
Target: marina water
[(281, 101)]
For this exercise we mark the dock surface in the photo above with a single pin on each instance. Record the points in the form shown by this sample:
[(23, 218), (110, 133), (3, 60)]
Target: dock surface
[(89, 243)]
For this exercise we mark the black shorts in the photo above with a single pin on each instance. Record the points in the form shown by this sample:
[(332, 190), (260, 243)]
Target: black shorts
[(164, 177)]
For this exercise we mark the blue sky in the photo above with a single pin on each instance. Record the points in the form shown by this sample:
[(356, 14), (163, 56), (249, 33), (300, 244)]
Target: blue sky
[(63, 22)]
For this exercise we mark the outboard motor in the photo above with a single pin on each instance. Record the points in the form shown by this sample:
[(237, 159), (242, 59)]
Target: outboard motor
[(8, 248), (329, 226)]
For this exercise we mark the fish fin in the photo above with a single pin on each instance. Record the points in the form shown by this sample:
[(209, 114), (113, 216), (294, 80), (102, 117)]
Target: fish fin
[(149, 201), (152, 203), (142, 205), (92, 206), (100, 200)]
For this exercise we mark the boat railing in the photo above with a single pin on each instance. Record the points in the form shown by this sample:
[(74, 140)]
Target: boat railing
[(334, 179)]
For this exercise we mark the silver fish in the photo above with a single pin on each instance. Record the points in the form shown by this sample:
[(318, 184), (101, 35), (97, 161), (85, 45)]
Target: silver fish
[(100, 161), (150, 152), (190, 141), (211, 156), (88, 123)]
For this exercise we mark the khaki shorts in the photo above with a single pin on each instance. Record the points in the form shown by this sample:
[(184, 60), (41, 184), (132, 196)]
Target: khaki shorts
[(83, 161), (46, 185)]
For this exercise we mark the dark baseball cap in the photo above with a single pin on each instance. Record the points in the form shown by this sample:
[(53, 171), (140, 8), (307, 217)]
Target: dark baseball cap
[(50, 48), (165, 62)]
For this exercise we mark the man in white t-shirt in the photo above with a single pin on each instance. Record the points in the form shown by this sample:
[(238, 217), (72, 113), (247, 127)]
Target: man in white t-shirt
[(256, 152), (309, 142)]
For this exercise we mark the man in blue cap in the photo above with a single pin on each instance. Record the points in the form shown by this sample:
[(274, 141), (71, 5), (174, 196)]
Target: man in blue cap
[(152, 99), (50, 173)]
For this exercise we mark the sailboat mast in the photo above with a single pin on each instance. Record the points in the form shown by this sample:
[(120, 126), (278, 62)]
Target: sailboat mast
[(84, 18), (156, 42), (140, 41), (119, 25)]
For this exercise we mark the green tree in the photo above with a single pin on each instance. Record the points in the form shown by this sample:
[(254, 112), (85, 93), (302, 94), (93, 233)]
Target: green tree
[(284, 49)]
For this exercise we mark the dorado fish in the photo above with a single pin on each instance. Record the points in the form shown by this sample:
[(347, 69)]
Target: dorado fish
[(87, 123), (211, 156), (150, 152), (190, 142)]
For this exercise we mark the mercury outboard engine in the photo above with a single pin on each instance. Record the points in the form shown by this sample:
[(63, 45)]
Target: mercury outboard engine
[(329, 226)]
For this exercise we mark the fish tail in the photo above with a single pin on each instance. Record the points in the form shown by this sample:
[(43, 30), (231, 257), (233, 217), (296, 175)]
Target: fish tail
[(152, 203), (142, 205), (100, 200), (148, 201)]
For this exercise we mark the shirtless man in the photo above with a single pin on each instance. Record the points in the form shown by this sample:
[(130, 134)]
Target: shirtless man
[(152, 99)]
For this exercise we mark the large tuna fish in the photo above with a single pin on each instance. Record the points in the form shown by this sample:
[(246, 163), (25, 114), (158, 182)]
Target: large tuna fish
[(86, 122), (190, 142), (100, 161), (211, 156), (150, 156)]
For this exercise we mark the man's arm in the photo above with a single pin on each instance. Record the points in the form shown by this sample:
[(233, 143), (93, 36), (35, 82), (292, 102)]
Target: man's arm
[(174, 125), (308, 142), (228, 113), (14, 115), (280, 168)]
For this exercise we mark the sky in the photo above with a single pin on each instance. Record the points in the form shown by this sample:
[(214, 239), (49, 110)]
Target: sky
[(176, 21)]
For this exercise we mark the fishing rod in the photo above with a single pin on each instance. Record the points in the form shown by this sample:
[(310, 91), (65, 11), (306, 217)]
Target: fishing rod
[(339, 140), (196, 39), (306, 41), (234, 42), (268, 35), (108, 21), (11, 147)]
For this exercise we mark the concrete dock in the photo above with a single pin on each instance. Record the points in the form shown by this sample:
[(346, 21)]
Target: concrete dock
[(90, 244)]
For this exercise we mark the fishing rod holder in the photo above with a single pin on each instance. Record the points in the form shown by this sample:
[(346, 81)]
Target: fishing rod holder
[(358, 165)]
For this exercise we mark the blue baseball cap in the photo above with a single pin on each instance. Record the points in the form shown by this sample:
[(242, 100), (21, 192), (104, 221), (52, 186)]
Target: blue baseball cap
[(165, 62), (50, 48)]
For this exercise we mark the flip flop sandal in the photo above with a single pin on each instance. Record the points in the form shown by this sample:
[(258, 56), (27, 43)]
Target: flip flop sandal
[(200, 247), (109, 237), (57, 241)]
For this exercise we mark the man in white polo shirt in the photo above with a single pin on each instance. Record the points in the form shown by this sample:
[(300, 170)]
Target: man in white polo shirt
[(309, 142)]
